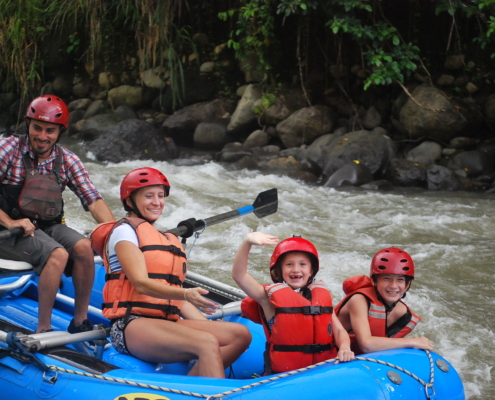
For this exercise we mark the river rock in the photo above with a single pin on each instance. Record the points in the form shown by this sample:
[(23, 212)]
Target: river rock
[(95, 108), (406, 173), (426, 153), (442, 178), (369, 148), (125, 112), (133, 139), (432, 114), (244, 119), (463, 142), (350, 174), (182, 124), (306, 125), (258, 138), (474, 162), (233, 152), (93, 127), (79, 104), (211, 135), (286, 103), (131, 96), (381, 184), (372, 118)]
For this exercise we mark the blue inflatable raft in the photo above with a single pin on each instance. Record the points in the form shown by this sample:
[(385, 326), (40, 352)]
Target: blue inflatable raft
[(55, 366)]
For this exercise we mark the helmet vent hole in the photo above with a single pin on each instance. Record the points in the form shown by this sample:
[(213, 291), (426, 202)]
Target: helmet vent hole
[(143, 180), (384, 259), (382, 267), (58, 115), (406, 269), (403, 260), (143, 173), (49, 99), (33, 110), (387, 251)]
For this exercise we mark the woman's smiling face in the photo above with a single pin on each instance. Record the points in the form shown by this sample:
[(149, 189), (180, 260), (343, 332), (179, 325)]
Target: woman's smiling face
[(150, 201)]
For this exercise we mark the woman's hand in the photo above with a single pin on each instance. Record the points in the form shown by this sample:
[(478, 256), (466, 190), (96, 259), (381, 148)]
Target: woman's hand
[(194, 296)]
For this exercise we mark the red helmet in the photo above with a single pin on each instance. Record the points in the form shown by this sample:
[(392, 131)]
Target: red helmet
[(295, 244), (140, 178), (49, 108), (392, 261)]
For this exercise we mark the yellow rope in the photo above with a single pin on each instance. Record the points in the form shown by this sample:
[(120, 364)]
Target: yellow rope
[(252, 385)]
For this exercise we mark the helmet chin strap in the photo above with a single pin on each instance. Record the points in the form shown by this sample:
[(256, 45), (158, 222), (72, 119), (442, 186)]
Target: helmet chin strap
[(382, 300)]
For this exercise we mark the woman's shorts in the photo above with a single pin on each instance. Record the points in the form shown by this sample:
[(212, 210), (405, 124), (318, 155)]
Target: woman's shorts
[(117, 333)]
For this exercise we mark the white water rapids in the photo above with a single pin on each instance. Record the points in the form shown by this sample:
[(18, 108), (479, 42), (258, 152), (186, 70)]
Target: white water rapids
[(451, 237)]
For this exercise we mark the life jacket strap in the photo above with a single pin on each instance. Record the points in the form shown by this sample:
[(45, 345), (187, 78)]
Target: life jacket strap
[(172, 279), (128, 305), (306, 310), (172, 249), (306, 348)]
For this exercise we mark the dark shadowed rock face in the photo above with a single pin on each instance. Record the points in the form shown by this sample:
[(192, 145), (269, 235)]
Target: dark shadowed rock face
[(133, 139), (406, 173)]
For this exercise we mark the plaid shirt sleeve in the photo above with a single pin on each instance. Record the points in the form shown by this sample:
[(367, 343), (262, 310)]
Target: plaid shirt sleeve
[(78, 179), (6, 149)]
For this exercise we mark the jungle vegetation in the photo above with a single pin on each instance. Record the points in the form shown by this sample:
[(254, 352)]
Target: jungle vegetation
[(292, 40)]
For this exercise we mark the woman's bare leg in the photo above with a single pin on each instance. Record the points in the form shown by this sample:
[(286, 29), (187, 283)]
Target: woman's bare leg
[(233, 338), (167, 342)]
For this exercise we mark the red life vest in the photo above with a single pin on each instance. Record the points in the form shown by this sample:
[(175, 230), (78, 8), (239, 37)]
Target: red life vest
[(165, 262), (302, 332), (377, 314)]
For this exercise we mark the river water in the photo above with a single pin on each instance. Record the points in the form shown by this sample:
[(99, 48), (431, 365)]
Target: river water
[(451, 237)]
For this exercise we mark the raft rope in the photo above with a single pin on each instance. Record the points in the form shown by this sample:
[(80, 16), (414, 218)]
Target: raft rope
[(197, 235), (429, 390)]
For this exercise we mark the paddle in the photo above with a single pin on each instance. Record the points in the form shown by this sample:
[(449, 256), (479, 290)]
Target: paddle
[(10, 233), (265, 204)]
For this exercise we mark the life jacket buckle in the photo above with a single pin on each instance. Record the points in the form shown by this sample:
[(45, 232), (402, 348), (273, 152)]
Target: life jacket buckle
[(311, 310)]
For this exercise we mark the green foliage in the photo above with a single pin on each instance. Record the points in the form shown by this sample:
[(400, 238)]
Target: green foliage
[(264, 103)]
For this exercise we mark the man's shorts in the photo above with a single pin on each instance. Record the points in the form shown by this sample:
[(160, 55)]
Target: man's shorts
[(37, 249)]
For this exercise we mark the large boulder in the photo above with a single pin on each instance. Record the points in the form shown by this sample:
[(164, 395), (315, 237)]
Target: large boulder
[(131, 96), (430, 113), (133, 139), (350, 174), (406, 173), (426, 153), (474, 163), (442, 178), (182, 124), (306, 125), (244, 120), (286, 103), (211, 135), (373, 149)]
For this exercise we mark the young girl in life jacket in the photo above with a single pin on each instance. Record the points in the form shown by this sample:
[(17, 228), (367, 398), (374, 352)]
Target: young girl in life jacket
[(296, 311), (143, 295), (373, 312)]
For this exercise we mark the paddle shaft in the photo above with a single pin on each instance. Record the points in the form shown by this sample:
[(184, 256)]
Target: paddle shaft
[(10, 233)]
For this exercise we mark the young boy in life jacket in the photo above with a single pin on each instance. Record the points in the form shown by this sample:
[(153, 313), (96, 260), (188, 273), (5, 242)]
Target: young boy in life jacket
[(373, 312), (296, 311)]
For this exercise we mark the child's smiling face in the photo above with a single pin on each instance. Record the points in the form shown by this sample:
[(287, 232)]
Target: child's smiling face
[(391, 287), (296, 269)]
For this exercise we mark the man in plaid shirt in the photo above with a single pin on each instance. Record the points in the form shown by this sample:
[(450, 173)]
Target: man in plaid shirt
[(49, 245)]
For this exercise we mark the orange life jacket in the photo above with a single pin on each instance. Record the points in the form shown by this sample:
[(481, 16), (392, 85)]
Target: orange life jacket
[(165, 261), (302, 332), (377, 314)]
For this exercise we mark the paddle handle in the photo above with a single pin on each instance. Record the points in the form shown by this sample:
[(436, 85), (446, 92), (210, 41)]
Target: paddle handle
[(10, 233)]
